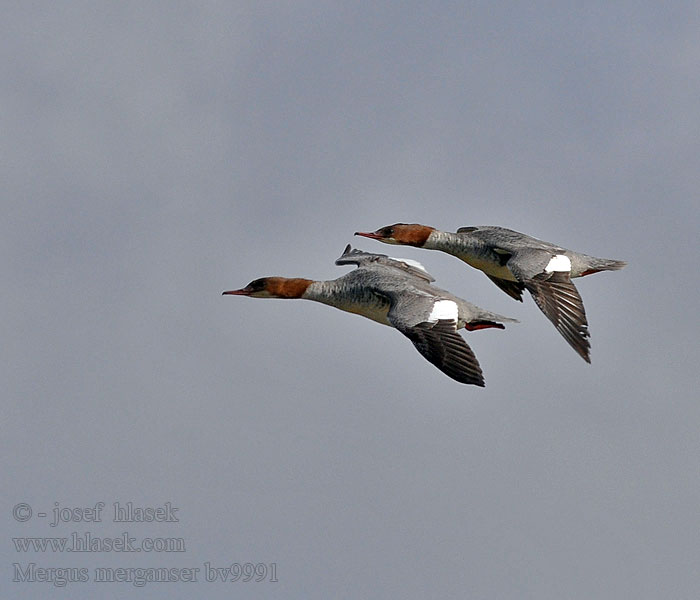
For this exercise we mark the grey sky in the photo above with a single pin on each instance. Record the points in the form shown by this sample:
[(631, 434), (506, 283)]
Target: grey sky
[(155, 154)]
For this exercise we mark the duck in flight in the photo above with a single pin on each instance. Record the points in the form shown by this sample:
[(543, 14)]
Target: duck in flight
[(516, 262), (398, 293)]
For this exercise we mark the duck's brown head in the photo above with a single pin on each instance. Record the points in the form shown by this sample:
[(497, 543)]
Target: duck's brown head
[(405, 234), (273, 287)]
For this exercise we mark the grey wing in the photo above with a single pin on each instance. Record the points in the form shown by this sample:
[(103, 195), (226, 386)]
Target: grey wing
[(528, 263), (438, 341), (353, 256), (556, 296)]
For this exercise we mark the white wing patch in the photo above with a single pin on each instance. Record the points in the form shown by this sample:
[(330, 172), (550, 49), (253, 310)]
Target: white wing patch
[(444, 309), (411, 262), (558, 262)]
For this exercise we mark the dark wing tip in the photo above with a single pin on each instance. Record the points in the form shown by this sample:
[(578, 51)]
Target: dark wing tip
[(558, 298), (441, 345)]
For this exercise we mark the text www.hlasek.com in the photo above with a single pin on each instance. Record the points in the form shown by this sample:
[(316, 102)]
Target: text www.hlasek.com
[(86, 542)]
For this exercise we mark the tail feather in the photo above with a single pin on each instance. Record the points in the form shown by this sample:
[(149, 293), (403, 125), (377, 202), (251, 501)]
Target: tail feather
[(613, 265), (603, 264)]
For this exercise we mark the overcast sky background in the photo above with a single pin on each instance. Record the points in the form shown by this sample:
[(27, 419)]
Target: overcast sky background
[(155, 154)]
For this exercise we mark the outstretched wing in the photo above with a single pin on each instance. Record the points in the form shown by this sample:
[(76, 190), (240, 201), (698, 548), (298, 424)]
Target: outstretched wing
[(441, 345), (432, 328), (560, 301), (353, 256), (546, 274)]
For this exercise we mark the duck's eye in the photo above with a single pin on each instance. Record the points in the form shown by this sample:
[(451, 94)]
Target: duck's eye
[(258, 285), (388, 231)]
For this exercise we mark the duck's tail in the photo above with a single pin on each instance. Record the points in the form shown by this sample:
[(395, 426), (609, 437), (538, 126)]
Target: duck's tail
[(603, 264)]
